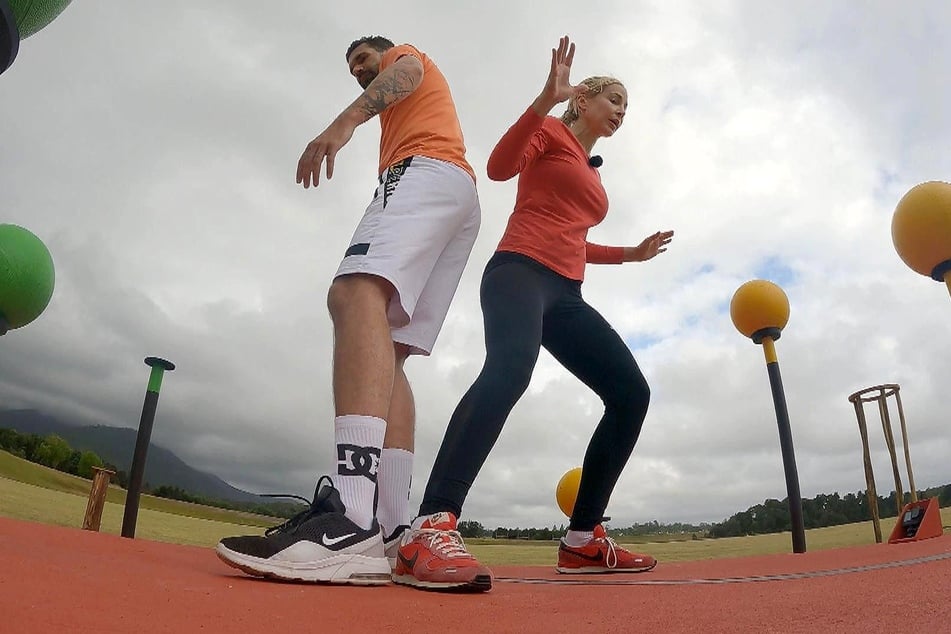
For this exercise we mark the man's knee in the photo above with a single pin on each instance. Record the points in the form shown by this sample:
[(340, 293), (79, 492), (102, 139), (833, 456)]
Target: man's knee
[(359, 292)]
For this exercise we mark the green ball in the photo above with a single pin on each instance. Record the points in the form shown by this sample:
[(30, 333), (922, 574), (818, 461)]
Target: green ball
[(33, 15), (26, 277)]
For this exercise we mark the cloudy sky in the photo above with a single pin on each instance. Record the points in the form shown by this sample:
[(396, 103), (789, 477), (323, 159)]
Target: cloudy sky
[(153, 147)]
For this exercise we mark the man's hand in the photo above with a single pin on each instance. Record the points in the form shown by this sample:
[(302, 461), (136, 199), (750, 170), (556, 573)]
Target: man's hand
[(651, 246), (390, 87), (325, 146)]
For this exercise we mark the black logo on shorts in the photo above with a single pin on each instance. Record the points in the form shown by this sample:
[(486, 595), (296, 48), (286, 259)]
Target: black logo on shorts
[(354, 460), (361, 248), (393, 174)]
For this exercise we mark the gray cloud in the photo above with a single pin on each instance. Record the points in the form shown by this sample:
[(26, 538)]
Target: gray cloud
[(153, 148)]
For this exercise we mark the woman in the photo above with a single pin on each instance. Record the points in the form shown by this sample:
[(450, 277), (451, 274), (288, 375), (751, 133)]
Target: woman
[(531, 297)]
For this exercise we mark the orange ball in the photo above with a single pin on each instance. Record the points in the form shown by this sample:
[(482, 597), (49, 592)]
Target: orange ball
[(759, 304), (921, 227), (567, 490)]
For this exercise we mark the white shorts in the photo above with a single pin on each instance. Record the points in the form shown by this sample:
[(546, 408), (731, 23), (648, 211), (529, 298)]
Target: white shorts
[(417, 234)]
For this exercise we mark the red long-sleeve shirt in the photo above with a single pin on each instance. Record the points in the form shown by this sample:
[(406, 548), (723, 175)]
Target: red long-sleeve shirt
[(559, 196)]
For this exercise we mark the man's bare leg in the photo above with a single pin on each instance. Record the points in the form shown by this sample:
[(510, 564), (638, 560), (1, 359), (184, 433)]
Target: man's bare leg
[(363, 373), (396, 460), (401, 418), (364, 359)]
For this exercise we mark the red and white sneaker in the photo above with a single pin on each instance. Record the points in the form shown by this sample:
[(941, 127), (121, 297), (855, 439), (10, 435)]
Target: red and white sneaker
[(601, 554), (434, 557)]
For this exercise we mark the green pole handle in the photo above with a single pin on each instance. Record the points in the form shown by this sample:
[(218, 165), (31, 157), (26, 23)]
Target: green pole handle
[(155, 379)]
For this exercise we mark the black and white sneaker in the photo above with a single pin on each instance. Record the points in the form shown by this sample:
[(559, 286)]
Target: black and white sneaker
[(319, 544), (391, 544)]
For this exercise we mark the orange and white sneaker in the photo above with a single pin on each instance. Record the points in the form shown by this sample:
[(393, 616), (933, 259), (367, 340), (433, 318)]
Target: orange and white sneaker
[(601, 554), (434, 557)]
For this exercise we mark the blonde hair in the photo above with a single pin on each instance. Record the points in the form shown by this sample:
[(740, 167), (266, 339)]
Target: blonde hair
[(596, 86)]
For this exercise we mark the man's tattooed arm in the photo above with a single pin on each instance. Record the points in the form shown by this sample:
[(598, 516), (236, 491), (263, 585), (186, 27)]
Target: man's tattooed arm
[(389, 87)]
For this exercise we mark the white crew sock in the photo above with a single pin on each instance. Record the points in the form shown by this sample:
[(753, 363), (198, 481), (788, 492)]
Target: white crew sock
[(394, 479), (359, 440), (578, 538)]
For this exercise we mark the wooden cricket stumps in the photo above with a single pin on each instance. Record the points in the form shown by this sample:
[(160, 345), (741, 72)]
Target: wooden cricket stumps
[(880, 394), (97, 498)]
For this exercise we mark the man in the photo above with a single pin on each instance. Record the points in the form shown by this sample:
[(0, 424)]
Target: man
[(388, 301)]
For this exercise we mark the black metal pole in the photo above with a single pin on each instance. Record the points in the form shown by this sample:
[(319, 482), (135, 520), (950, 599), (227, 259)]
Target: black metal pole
[(789, 457), (137, 472)]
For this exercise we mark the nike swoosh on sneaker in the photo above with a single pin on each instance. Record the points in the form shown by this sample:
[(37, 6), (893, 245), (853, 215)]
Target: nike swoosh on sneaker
[(332, 541), (575, 553), (409, 563)]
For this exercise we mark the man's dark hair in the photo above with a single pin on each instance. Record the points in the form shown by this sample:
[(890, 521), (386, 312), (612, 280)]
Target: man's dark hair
[(376, 42)]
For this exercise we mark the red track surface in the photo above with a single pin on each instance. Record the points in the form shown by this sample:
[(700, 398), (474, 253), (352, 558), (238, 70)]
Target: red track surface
[(66, 580)]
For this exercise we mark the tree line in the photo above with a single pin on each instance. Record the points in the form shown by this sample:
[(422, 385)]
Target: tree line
[(772, 516), (472, 528), (272, 509), (53, 451)]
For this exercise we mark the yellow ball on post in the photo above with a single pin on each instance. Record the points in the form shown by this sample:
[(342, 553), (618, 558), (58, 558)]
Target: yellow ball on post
[(758, 305), (567, 490), (921, 230), (760, 311)]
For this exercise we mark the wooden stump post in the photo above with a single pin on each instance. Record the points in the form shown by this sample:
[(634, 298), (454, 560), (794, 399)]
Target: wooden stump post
[(97, 498), (880, 394)]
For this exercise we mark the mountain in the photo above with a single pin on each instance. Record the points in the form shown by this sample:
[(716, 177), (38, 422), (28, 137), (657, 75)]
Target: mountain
[(116, 445)]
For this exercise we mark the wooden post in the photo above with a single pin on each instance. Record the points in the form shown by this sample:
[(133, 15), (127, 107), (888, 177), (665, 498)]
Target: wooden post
[(880, 394), (904, 440), (890, 445), (870, 492), (97, 498)]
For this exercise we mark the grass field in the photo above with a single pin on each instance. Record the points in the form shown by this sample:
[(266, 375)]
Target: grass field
[(34, 493)]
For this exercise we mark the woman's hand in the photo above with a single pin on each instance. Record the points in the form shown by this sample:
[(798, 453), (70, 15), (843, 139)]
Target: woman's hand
[(651, 246), (558, 88)]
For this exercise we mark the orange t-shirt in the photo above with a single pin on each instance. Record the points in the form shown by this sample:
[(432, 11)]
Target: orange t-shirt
[(425, 123), (559, 196)]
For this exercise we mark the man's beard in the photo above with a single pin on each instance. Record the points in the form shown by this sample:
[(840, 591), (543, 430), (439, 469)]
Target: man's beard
[(366, 79)]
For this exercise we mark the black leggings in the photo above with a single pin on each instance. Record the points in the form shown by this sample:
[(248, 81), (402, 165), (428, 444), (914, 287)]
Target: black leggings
[(526, 305)]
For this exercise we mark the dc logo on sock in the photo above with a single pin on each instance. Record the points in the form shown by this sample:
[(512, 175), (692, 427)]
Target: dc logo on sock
[(354, 460)]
